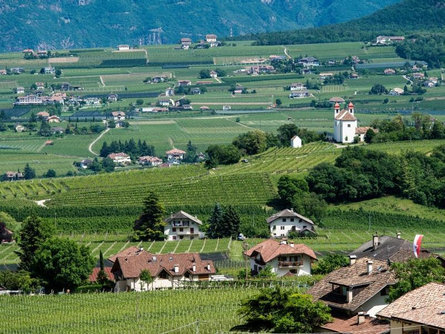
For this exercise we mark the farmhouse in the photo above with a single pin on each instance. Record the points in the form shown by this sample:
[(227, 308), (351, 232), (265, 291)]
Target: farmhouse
[(297, 86), (112, 97), (184, 83), (212, 39), (20, 90), (396, 91), (12, 176), (286, 221), (295, 142), (284, 259), (175, 154), (119, 118), (419, 311), (299, 94), (120, 159), (123, 47), (181, 225), (389, 39), (49, 70), (28, 99), (185, 43), (213, 74), (168, 271), (53, 119), (389, 71), (345, 124), (149, 161), (309, 62)]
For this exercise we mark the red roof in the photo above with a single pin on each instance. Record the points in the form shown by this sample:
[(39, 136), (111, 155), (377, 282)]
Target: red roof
[(93, 276), (350, 325), (345, 115), (270, 249), (175, 151), (351, 105), (337, 105)]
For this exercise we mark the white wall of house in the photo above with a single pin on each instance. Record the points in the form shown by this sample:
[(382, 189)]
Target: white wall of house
[(344, 131), (377, 300), (135, 284), (281, 227), (278, 270), (183, 231), (296, 142)]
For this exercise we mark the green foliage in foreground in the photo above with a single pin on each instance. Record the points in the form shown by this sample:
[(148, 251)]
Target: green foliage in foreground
[(284, 311), (414, 274), (329, 263)]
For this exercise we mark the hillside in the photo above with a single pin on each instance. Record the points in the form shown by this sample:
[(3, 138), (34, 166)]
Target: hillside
[(406, 17), (90, 23)]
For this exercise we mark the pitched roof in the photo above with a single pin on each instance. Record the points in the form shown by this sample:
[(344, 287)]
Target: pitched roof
[(345, 115), (288, 213), (388, 248), (131, 266), (337, 99), (355, 275), (270, 249), (118, 155), (361, 130), (175, 151), (93, 276), (347, 324), (133, 250), (424, 305), (183, 215)]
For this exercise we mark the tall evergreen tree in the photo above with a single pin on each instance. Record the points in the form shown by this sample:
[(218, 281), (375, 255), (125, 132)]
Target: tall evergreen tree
[(232, 221), (34, 233), (29, 173), (217, 228), (105, 150), (150, 224)]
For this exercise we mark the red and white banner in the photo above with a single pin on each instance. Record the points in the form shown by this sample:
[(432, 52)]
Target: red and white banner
[(416, 244)]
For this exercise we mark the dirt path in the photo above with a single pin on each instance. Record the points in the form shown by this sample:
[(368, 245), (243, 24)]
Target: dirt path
[(90, 148), (41, 146), (287, 54)]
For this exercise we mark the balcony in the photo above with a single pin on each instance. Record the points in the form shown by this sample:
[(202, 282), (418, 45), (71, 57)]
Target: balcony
[(289, 264)]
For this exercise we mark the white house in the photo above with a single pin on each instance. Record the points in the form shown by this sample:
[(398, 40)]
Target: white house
[(123, 47), (167, 271), (120, 159), (286, 221), (186, 43), (297, 86), (181, 225), (295, 142), (345, 124), (150, 161), (175, 154), (284, 259), (118, 117)]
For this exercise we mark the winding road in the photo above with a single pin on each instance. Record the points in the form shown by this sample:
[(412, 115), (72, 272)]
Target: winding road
[(90, 148)]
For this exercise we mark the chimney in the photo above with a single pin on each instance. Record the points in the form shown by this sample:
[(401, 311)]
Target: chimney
[(352, 259), (291, 244), (194, 267), (154, 258), (399, 235), (176, 268), (360, 318), (375, 241), (369, 267), (208, 266), (283, 241)]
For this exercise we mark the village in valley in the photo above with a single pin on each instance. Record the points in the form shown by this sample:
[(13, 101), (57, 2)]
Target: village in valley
[(224, 184)]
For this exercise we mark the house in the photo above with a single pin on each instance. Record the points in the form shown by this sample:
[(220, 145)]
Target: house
[(168, 271), (360, 132), (204, 108), (389, 71), (3, 72), (211, 38), (396, 91), (5, 234), (299, 94), (175, 154), (309, 62), (119, 118), (354, 76), (17, 70), (19, 128), (40, 86), (227, 108), (181, 225), (296, 142), (186, 43), (112, 97), (297, 86), (123, 47), (94, 275), (42, 53), (85, 163), (56, 98), (336, 99), (384, 40), (418, 76), (325, 75), (150, 161), (120, 159), (165, 102), (284, 259), (53, 119), (28, 99), (196, 91), (49, 70), (57, 130), (184, 83), (213, 74), (356, 324), (345, 124), (169, 92), (261, 69), (286, 221), (12, 176), (419, 311), (20, 90), (362, 286)]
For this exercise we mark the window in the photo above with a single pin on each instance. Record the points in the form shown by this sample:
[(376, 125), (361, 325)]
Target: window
[(284, 220), (282, 228), (174, 237), (181, 237), (292, 219), (349, 125), (385, 291), (274, 227), (181, 230), (174, 229)]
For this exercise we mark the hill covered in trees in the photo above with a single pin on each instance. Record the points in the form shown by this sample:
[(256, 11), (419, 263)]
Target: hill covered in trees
[(409, 16), (56, 24)]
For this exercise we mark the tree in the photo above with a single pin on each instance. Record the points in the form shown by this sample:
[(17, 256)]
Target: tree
[(17, 280), (378, 89), (204, 74), (34, 233), (50, 173), (28, 172), (108, 165), (45, 129), (330, 263), (369, 135), (150, 224), (252, 142), (102, 277), (278, 102), (286, 132), (415, 273), (146, 278), (283, 311), (222, 154), (217, 226), (232, 221), (62, 264)]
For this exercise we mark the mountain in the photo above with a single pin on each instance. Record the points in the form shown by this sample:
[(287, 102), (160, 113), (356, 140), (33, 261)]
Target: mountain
[(406, 17), (67, 24)]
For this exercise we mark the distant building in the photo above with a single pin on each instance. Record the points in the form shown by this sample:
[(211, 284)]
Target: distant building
[(309, 61), (184, 83), (123, 47), (384, 40), (149, 161), (389, 71), (186, 43), (53, 119), (299, 94), (297, 86), (175, 154), (112, 97), (181, 225), (49, 70), (345, 124), (285, 221), (296, 142), (20, 90), (121, 159)]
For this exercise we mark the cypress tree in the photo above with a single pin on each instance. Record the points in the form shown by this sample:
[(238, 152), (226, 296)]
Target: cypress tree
[(150, 224), (231, 220), (216, 223)]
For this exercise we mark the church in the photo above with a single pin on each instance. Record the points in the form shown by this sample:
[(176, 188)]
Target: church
[(345, 124)]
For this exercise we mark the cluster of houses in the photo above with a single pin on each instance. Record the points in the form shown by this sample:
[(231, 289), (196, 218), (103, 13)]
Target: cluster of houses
[(211, 40), (388, 40), (173, 157)]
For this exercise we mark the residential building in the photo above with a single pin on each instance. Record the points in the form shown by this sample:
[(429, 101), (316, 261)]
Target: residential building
[(175, 154), (285, 221), (149, 161), (213, 74), (169, 92), (309, 62), (418, 75), (120, 159), (299, 94), (181, 225), (345, 124), (389, 71), (57, 130), (186, 43), (20, 90), (85, 163), (360, 132), (284, 259), (419, 311), (53, 119), (396, 91), (28, 99), (165, 102), (119, 118), (211, 38), (43, 114), (184, 83), (297, 86), (389, 39), (12, 176), (296, 142), (123, 47), (325, 75), (112, 97), (40, 86), (49, 70), (168, 271), (261, 69), (19, 128)]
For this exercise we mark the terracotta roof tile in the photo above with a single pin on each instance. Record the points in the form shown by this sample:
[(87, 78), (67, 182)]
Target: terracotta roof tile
[(350, 325), (345, 115), (270, 249), (93, 276)]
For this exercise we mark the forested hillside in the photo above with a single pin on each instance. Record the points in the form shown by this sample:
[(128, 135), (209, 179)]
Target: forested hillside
[(398, 19), (90, 23)]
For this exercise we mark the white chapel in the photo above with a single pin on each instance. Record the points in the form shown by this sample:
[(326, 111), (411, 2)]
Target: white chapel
[(345, 124)]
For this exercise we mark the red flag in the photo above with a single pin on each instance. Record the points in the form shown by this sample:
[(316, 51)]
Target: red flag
[(416, 244)]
